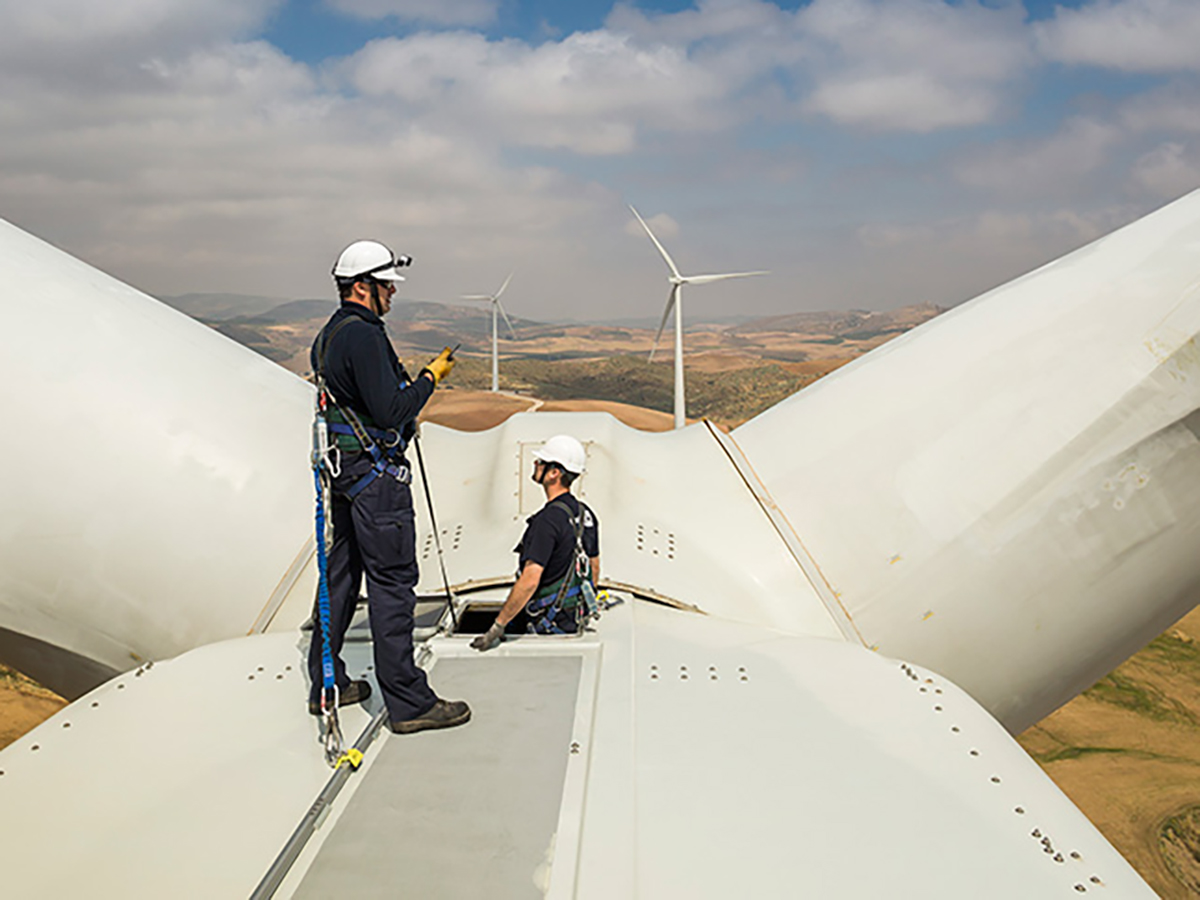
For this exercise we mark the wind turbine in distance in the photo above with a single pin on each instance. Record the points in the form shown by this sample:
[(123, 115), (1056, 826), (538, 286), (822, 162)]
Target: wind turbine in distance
[(494, 299), (675, 300)]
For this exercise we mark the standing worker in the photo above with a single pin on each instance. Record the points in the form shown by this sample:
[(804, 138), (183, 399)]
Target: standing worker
[(372, 413), (558, 553)]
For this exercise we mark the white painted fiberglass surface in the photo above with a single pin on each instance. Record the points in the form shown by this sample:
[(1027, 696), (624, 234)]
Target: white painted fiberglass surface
[(157, 487), (1007, 496), (675, 516), (697, 758), (1010, 493)]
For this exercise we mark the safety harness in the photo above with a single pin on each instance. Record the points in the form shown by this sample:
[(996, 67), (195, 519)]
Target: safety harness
[(385, 446), (565, 593), (386, 449)]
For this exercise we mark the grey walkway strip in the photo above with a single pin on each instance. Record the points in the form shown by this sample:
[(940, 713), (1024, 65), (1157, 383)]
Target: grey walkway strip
[(313, 818), (467, 812)]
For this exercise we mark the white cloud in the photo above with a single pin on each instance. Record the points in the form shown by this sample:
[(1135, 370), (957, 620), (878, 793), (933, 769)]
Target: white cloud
[(1044, 166), (1168, 171), (900, 65), (711, 19), (433, 12), (589, 93), (663, 226), (912, 65), (230, 169), (884, 234), (914, 101), (1174, 108), (1130, 35), (65, 37), (157, 139)]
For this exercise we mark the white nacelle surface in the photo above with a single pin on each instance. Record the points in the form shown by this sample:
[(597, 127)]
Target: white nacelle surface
[(675, 517), (707, 759)]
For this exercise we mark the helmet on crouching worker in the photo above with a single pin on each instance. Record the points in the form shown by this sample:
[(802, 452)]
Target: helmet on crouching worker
[(564, 453)]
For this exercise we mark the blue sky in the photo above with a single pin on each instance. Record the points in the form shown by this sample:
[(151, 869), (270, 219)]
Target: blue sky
[(870, 153)]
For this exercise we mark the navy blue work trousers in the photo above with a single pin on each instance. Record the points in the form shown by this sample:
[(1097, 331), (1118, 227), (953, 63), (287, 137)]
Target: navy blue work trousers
[(376, 534)]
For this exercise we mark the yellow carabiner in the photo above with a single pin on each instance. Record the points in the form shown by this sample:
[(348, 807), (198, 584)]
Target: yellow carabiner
[(352, 756)]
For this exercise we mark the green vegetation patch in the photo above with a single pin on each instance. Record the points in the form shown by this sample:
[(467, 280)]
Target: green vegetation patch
[(11, 679), (724, 396), (1063, 753), (1127, 692), (1179, 845), (1175, 649)]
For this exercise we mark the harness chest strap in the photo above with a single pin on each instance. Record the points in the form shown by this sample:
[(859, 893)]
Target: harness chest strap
[(386, 461), (553, 597)]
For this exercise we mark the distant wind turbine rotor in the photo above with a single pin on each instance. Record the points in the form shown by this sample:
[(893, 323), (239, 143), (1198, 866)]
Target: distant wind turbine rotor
[(494, 299), (675, 302)]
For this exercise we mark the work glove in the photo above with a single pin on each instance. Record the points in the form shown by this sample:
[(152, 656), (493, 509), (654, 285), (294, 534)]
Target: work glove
[(489, 638), (441, 365)]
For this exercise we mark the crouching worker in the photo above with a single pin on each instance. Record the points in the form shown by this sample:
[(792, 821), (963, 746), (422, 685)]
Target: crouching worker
[(559, 554)]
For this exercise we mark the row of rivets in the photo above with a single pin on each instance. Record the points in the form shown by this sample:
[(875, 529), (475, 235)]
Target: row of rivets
[(743, 675), (34, 748)]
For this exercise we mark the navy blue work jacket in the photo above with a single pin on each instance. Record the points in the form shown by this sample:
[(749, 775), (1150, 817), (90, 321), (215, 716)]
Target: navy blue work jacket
[(362, 370)]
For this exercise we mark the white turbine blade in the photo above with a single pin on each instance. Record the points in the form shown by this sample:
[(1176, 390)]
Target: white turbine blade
[(487, 297), (705, 279), (666, 315), (496, 296), (661, 248), (507, 321)]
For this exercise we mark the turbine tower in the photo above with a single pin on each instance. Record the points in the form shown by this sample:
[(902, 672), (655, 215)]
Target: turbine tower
[(675, 300), (494, 299)]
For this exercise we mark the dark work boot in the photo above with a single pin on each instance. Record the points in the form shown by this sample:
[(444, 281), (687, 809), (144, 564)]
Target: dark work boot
[(354, 692), (444, 714)]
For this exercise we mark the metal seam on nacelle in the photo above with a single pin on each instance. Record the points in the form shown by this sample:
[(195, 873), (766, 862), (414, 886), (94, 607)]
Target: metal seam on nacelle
[(286, 583), (787, 533)]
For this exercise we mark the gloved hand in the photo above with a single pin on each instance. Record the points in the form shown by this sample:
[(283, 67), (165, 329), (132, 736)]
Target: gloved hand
[(441, 365), (489, 638)]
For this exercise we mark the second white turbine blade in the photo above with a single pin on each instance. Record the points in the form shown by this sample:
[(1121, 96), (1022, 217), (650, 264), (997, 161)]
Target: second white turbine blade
[(661, 248), (507, 321), (705, 279), (666, 315)]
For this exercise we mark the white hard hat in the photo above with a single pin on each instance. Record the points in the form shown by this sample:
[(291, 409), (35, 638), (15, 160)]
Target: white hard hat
[(369, 259), (564, 451)]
